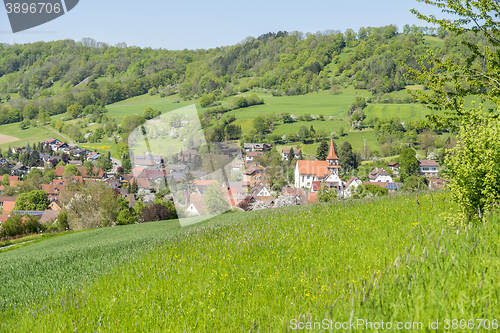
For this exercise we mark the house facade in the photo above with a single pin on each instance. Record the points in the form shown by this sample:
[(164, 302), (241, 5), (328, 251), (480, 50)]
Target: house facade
[(307, 172), (379, 175), (428, 168)]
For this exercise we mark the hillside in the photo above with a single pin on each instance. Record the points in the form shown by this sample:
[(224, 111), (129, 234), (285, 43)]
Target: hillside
[(316, 74), (248, 271)]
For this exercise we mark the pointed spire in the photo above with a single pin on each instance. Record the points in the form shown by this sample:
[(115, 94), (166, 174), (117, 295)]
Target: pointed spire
[(331, 152)]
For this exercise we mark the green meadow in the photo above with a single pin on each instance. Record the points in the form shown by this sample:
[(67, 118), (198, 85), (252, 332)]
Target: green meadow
[(31, 135), (259, 270)]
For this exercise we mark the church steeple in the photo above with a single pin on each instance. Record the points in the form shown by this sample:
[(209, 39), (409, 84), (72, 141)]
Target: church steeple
[(331, 154), (332, 159)]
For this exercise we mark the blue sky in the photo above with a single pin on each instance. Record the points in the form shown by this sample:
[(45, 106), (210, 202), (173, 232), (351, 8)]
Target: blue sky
[(206, 24)]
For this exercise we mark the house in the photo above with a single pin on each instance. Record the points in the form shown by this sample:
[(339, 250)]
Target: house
[(75, 163), (93, 156), (324, 171), (428, 168), (391, 186), (147, 161), (351, 185), (256, 174), (237, 165), (298, 194), (51, 142), (144, 185), (177, 168), (7, 204), (437, 183), (201, 185), (77, 152), (394, 166), (286, 152), (379, 175), (49, 216), (196, 205), (3, 162), (260, 191), (53, 191), (250, 156), (96, 172), (262, 147), (60, 146), (312, 197), (54, 206)]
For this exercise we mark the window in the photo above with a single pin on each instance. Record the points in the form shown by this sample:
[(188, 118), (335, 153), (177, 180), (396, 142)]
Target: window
[(307, 176)]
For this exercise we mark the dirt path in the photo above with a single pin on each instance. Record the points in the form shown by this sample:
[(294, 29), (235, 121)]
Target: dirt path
[(6, 247), (7, 138), (64, 136)]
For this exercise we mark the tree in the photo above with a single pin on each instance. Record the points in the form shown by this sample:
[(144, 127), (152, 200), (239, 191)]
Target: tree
[(303, 133), (75, 110), (104, 163), (478, 75), (187, 185), (325, 194), (214, 200), (206, 100), (6, 180), (408, 162), (71, 170), (34, 200), (347, 158), (322, 151), (473, 164)]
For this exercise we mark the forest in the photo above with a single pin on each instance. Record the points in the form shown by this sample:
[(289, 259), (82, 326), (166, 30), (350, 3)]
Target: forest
[(43, 79)]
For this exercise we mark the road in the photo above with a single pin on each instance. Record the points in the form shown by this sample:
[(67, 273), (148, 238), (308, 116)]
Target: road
[(64, 136), (116, 164)]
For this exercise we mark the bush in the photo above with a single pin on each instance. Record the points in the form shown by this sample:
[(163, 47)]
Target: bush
[(16, 226), (158, 211), (62, 221)]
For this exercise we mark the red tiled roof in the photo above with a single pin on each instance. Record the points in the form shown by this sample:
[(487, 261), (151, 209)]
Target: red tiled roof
[(331, 152), (59, 171), (143, 183), (197, 201), (318, 168), (312, 197), (204, 182), (292, 191), (8, 207)]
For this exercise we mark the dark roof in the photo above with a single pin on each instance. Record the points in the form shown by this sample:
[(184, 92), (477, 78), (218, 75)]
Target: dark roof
[(428, 163)]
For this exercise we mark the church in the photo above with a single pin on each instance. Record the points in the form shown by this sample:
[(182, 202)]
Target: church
[(323, 172)]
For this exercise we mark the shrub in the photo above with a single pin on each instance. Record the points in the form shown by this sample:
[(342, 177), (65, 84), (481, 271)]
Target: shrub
[(158, 211)]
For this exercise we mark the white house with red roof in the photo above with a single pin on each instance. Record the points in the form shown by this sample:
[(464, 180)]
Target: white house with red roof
[(307, 172)]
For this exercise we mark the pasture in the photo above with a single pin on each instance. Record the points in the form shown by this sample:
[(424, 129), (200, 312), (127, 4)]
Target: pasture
[(263, 269)]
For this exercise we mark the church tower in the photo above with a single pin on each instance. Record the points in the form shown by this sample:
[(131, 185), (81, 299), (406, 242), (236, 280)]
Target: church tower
[(332, 159)]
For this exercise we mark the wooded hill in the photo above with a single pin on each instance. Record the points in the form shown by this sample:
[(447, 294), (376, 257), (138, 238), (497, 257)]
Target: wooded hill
[(50, 77)]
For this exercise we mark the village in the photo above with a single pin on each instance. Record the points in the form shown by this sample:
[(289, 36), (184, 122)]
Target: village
[(150, 174)]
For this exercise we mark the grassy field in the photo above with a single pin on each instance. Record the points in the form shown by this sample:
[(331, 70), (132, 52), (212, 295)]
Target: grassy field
[(67, 262), (321, 103), (354, 138), (30, 135), (265, 268)]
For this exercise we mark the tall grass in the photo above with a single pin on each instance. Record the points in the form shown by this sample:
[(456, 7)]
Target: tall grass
[(258, 271)]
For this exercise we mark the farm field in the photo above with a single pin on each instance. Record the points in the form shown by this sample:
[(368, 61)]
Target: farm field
[(321, 103), (30, 135), (66, 262), (265, 268), (354, 138)]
